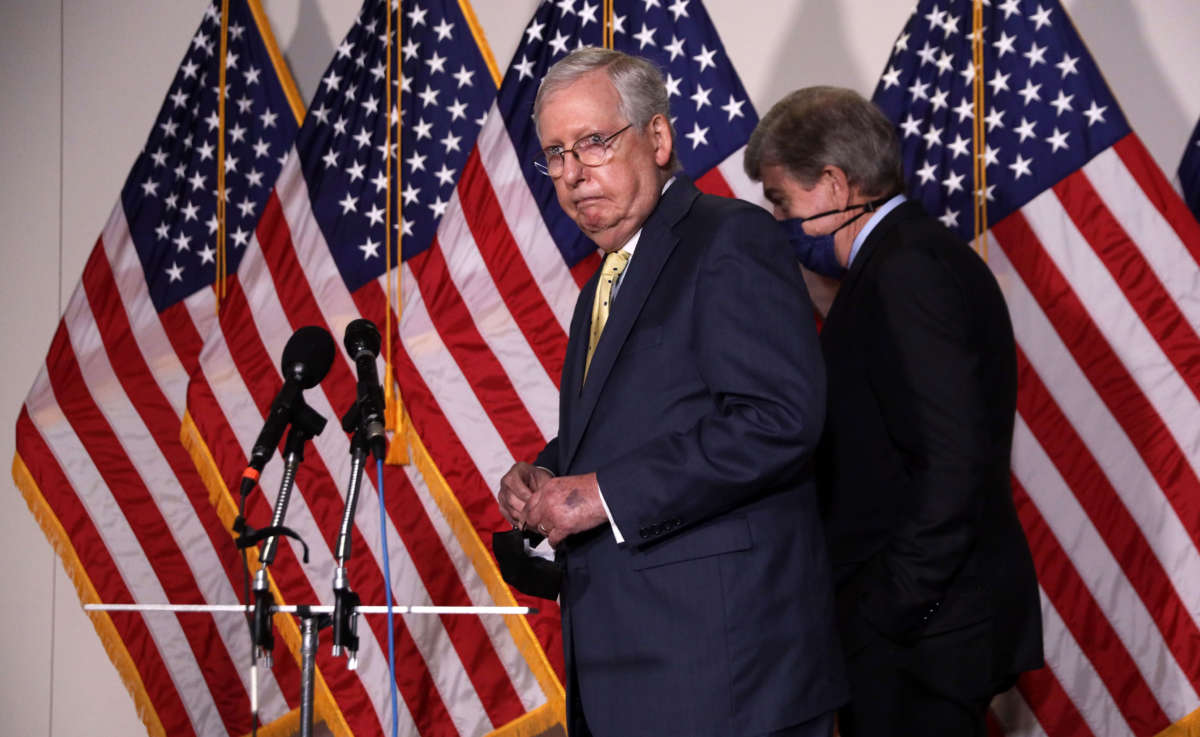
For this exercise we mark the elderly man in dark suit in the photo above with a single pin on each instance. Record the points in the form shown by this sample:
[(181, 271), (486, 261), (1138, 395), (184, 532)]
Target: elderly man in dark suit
[(679, 492), (937, 600)]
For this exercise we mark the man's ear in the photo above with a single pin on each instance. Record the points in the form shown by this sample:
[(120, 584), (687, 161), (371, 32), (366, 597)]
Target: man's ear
[(660, 135), (841, 185)]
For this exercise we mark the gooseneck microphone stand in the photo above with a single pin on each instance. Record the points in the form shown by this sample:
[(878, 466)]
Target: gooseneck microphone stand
[(345, 601), (306, 424)]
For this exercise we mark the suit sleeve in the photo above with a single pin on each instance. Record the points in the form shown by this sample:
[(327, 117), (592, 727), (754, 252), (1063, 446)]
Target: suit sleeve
[(755, 348), (928, 373), (548, 458)]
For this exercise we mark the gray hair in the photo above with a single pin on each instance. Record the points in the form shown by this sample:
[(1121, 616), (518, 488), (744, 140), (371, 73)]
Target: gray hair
[(639, 84), (815, 127)]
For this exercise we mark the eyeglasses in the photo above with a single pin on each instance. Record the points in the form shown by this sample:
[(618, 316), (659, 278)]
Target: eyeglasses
[(590, 151)]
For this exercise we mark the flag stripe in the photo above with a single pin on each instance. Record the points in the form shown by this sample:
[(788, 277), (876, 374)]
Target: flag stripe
[(81, 536), (1072, 596), (471, 642), (141, 503), (1142, 498), (510, 275), (713, 183), (1079, 680), (460, 335), (84, 421), (523, 219), (1098, 429), (462, 474), (454, 397), (1142, 570), (151, 333), (1112, 381), (1040, 694), (132, 509), (455, 462), (1153, 187), (1161, 316), (469, 280)]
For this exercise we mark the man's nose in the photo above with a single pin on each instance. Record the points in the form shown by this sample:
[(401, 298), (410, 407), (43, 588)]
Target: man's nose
[(573, 170)]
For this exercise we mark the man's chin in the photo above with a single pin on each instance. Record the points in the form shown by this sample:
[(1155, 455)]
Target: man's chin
[(593, 226)]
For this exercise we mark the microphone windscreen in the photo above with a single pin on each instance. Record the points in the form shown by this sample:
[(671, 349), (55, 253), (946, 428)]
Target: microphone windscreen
[(308, 356), (361, 334)]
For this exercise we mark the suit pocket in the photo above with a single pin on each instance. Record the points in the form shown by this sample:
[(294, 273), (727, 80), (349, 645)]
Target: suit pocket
[(643, 338), (726, 535)]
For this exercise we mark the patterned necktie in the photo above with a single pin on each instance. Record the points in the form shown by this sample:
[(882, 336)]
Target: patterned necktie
[(610, 272)]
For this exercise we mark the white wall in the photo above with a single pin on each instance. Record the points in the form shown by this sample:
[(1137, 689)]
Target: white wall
[(81, 81)]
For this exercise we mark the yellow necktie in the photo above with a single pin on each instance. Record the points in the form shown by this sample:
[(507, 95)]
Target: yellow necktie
[(610, 272)]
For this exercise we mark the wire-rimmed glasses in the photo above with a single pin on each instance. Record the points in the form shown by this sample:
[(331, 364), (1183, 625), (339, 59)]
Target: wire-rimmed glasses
[(591, 150)]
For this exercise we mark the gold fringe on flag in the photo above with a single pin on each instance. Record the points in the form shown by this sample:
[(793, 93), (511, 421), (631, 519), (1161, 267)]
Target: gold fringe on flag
[(980, 131), (1189, 726)]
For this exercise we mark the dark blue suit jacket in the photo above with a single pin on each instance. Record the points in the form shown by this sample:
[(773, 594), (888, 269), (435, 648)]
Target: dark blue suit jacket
[(700, 415)]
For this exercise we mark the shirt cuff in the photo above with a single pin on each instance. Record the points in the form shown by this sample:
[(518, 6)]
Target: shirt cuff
[(612, 522)]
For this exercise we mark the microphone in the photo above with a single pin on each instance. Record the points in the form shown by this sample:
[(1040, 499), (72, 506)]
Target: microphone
[(307, 358), (362, 343)]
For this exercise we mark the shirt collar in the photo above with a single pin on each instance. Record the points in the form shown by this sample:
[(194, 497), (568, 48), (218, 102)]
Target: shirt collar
[(872, 221)]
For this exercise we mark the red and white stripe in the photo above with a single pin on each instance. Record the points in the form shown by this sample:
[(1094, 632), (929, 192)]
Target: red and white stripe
[(1101, 276), (100, 433), (463, 672)]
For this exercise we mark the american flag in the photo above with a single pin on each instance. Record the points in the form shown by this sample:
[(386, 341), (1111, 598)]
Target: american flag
[(98, 455), (319, 257), (1189, 172), (1097, 257)]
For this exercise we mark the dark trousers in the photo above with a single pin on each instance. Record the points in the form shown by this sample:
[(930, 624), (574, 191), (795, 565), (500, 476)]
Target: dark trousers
[(819, 726), (939, 685)]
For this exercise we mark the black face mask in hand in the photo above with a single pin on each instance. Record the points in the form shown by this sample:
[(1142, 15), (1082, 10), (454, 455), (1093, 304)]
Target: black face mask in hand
[(526, 573)]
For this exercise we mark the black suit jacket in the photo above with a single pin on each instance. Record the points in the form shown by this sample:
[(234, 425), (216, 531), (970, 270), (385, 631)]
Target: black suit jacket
[(914, 460), (700, 414)]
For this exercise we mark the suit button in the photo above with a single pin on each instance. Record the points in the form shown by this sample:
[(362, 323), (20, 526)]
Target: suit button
[(645, 532)]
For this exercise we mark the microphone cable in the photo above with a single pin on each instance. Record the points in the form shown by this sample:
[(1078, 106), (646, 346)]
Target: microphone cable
[(387, 588)]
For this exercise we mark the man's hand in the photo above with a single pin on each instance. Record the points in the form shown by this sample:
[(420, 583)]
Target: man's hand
[(516, 486), (564, 505)]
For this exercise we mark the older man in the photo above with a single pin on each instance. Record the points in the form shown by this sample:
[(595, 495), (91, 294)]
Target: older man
[(679, 492), (937, 601)]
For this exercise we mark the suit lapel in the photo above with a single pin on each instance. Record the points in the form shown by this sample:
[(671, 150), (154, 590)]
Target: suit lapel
[(654, 247)]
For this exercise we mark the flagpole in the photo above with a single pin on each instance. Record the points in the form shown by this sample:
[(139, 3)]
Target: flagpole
[(980, 132)]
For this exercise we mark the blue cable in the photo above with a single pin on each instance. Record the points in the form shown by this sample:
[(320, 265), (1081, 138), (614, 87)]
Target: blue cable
[(387, 588)]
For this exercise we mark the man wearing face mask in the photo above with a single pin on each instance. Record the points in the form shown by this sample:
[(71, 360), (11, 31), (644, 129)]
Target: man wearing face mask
[(937, 601)]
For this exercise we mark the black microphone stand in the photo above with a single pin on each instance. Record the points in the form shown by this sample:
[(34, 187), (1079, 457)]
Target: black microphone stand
[(306, 424), (345, 601)]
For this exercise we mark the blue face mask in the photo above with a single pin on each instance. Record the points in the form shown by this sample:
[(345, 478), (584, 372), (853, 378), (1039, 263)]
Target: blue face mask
[(816, 252)]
